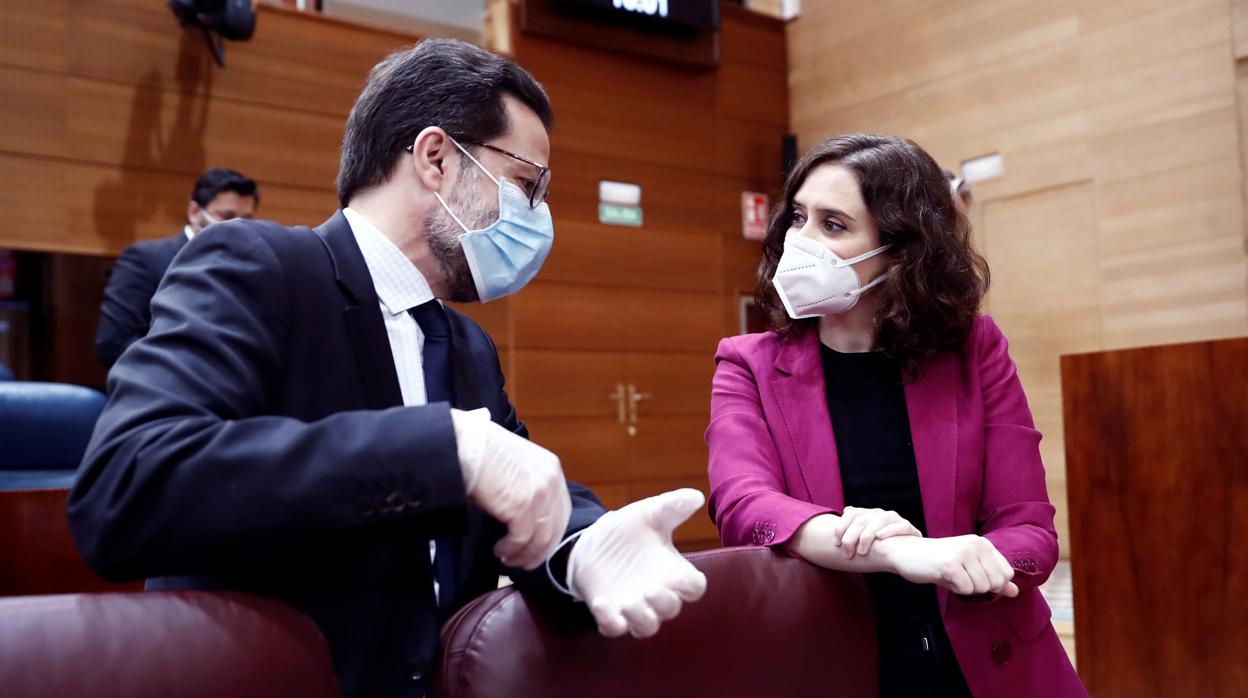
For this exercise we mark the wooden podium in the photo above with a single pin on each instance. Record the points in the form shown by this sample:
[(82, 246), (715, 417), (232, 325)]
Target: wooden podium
[(1157, 474)]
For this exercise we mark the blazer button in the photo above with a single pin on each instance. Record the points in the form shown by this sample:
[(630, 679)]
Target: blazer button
[(415, 499), (416, 669), (1002, 652)]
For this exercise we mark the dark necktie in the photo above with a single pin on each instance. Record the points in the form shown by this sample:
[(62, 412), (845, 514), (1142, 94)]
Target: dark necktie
[(436, 358)]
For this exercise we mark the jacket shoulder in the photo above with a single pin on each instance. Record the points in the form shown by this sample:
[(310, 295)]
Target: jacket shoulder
[(147, 249), (752, 348), (288, 244)]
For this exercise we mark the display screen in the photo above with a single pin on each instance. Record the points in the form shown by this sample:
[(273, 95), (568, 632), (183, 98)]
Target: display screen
[(701, 14)]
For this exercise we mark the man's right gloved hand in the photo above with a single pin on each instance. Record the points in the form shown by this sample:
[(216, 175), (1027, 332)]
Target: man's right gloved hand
[(517, 482)]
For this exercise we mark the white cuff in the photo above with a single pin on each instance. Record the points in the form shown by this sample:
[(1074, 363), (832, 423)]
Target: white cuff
[(567, 587)]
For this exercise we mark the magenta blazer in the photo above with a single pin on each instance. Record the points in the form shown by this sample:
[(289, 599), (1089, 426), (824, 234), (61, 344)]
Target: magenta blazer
[(773, 465)]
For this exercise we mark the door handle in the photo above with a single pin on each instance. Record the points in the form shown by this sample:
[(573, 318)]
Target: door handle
[(621, 406), (634, 401)]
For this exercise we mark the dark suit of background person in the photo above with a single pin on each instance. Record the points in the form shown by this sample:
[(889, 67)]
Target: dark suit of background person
[(219, 194), (261, 376)]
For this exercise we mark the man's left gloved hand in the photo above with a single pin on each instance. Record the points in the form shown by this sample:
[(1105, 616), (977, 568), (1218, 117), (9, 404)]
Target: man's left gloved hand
[(625, 568)]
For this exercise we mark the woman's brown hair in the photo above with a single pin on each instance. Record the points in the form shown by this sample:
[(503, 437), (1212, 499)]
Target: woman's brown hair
[(936, 279)]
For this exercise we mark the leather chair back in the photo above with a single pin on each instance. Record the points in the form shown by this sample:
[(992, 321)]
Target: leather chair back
[(44, 430), (158, 644), (769, 625)]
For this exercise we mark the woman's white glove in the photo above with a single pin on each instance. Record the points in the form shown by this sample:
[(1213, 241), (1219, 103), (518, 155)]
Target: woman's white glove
[(626, 569), (517, 482)]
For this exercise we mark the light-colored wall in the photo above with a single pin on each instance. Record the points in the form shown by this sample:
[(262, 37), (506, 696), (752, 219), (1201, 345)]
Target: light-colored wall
[(1119, 220)]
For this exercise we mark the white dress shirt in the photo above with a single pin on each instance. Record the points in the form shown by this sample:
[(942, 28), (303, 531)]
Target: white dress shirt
[(400, 287)]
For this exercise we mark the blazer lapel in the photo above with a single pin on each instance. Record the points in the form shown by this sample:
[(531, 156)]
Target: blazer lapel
[(362, 315), (463, 379), (799, 386), (933, 408)]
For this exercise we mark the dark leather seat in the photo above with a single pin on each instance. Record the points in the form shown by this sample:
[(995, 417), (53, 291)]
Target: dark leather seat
[(186, 644), (44, 430), (769, 625)]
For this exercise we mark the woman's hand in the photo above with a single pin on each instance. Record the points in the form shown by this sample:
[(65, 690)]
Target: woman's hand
[(965, 565), (859, 529)]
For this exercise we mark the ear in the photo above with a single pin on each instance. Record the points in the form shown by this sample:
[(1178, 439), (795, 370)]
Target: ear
[(192, 213), (432, 157)]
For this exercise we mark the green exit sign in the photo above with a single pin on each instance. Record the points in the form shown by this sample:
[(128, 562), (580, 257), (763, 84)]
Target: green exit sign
[(619, 214)]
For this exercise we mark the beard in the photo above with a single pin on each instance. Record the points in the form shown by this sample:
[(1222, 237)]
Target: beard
[(443, 235)]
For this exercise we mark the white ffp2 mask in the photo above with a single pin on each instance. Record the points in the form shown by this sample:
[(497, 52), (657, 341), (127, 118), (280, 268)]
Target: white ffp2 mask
[(812, 281)]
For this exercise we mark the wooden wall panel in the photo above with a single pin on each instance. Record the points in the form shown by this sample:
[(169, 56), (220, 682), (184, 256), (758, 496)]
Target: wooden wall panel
[(1159, 600), (179, 132), (589, 253), (34, 112), (602, 318), (295, 61), (1119, 220), (110, 111), (673, 199), (35, 34), (63, 206), (680, 383), (646, 306)]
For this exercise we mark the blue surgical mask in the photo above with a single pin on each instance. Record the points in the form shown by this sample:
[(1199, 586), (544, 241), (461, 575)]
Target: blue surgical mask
[(507, 254)]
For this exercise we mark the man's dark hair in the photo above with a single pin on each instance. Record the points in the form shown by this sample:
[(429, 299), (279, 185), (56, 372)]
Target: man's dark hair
[(222, 179), (438, 82)]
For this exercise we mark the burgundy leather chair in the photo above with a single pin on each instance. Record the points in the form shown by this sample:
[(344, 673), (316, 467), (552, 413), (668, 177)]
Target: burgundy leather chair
[(769, 625), (37, 555), (159, 644)]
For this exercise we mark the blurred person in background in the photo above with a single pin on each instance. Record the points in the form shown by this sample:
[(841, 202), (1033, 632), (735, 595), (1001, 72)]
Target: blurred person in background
[(220, 194)]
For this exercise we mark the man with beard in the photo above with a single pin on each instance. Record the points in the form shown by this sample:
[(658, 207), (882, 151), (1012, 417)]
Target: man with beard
[(306, 420)]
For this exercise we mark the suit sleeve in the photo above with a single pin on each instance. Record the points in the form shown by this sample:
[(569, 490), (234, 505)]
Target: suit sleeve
[(749, 500), (1015, 513), (586, 509), (188, 470), (124, 314)]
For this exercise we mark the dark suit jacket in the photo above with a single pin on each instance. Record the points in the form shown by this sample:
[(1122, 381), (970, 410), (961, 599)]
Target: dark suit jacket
[(125, 312), (256, 440)]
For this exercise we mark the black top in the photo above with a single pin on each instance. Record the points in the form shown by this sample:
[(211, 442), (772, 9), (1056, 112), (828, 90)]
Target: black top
[(867, 403)]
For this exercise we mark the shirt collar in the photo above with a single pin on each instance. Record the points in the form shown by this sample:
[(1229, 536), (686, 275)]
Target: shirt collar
[(399, 284), (186, 230)]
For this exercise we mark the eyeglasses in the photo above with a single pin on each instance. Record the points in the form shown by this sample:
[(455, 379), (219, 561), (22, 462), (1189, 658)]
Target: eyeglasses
[(537, 188)]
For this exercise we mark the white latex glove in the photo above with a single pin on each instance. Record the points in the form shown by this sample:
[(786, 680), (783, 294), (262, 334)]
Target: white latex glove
[(626, 569), (517, 482), (967, 565)]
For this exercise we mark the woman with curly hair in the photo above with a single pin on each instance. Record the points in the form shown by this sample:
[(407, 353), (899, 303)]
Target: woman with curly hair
[(879, 426)]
